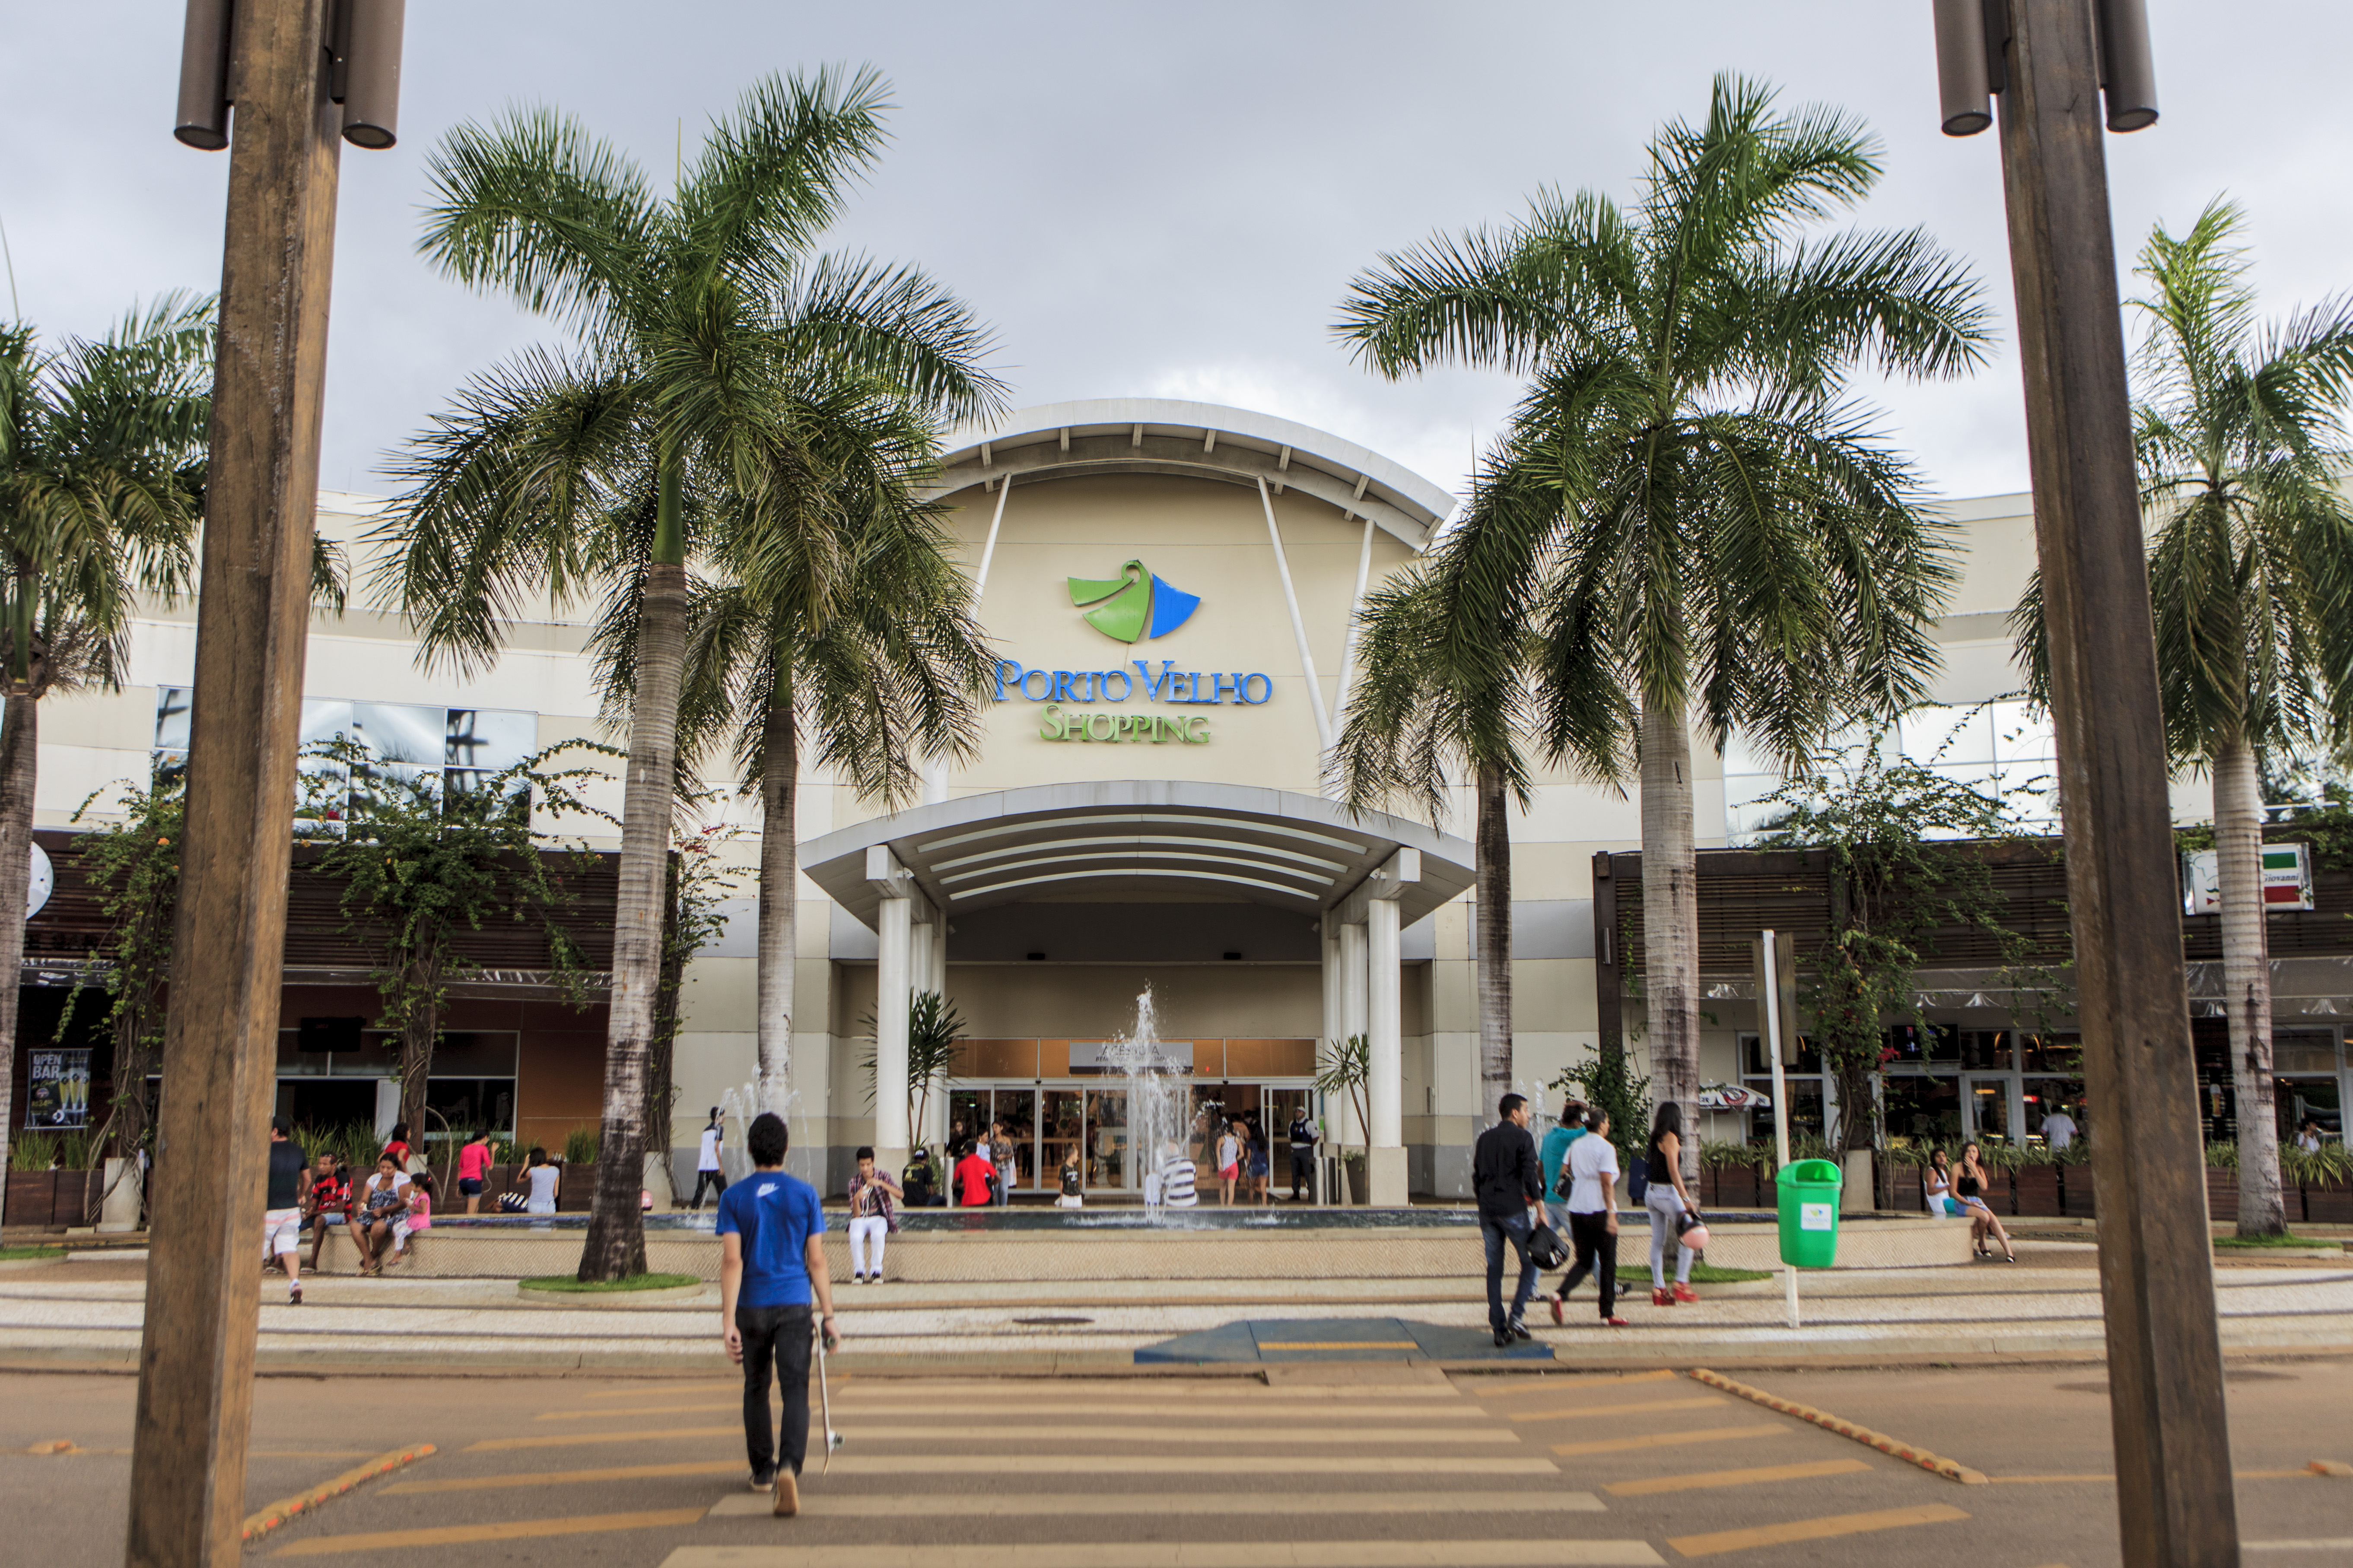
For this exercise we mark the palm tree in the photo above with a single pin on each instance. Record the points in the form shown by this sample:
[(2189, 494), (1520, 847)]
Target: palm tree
[(890, 668), (101, 451), (1417, 720), (2239, 437), (599, 473), (1688, 515)]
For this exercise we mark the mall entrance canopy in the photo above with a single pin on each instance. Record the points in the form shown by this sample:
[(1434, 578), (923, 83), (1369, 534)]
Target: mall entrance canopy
[(1362, 878)]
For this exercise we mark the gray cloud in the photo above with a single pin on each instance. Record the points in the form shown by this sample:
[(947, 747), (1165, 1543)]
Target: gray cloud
[(1147, 198)]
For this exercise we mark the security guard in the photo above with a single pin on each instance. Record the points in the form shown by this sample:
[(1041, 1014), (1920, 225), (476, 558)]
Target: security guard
[(1303, 1154)]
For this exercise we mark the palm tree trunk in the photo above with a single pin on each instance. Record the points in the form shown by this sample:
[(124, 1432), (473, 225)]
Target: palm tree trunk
[(1670, 920), (616, 1244), (21, 734), (2247, 986), (1493, 878), (779, 878)]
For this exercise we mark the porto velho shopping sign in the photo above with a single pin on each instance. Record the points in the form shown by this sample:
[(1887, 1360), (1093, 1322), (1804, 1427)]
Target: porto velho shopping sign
[(1135, 607)]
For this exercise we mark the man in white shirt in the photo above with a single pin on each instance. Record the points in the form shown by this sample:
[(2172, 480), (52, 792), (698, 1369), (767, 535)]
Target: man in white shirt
[(1593, 1218), (2058, 1130), (707, 1169)]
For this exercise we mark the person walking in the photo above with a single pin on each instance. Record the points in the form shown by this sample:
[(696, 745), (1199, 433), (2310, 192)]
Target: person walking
[(2058, 1130), (545, 1183), (771, 1268), (1261, 1161), (1229, 1160), (872, 1217), (708, 1172), (1509, 1182), (474, 1170), (1552, 1155), (1668, 1201), (1592, 1211), (328, 1200), (1000, 1154), (1303, 1154), (1970, 1183), (281, 1220)]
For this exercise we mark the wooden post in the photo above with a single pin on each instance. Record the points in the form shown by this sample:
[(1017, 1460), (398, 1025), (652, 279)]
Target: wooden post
[(2165, 1362), (220, 1047)]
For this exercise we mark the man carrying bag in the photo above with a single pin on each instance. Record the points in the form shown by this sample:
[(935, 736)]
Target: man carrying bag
[(1510, 1182)]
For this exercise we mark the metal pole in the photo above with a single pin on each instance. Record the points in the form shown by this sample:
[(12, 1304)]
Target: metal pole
[(220, 1049), (1780, 1101), (2174, 1496)]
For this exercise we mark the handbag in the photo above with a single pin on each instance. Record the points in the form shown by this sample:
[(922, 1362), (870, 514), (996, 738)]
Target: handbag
[(1691, 1230), (1545, 1249)]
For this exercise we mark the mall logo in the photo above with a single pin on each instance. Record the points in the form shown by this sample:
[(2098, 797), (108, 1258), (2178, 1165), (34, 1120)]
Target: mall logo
[(1133, 606)]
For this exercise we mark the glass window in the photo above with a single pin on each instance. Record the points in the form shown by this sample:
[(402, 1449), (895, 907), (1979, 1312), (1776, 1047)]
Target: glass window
[(1806, 1119), (1937, 735), (2314, 1100), (401, 733), (1752, 1056), (490, 739), (171, 718), (1986, 1048), (2304, 1050), (2047, 1097), (2055, 1053), (2023, 735), (1922, 1110), (324, 719)]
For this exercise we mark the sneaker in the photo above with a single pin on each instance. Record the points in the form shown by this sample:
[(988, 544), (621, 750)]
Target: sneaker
[(1519, 1329), (1556, 1312), (1614, 1323), (858, 1279), (1660, 1299), (788, 1494), (761, 1483), (294, 1296), (1502, 1338), (1684, 1292)]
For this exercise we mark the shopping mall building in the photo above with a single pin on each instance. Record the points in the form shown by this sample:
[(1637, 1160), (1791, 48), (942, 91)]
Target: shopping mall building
[(1172, 588)]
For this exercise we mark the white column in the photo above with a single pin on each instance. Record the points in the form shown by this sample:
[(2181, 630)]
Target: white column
[(1350, 950), (1384, 1024), (937, 1132), (892, 988)]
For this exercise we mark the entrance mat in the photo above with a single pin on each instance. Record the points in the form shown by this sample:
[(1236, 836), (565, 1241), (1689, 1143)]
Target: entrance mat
[(1288, 1340)]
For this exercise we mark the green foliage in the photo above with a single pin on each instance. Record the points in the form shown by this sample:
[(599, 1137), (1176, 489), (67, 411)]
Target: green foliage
[(1892, 890), (1606, 1081), (2284, 1238), (1705, 1273), (934, 1029), (133, 863), (1717, 1156), (569, 1284), (1345, 1068), (580, 1145), (35, 1151)]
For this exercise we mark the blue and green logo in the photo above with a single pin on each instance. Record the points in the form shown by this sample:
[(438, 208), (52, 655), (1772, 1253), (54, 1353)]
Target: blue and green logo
[(1134, 605)]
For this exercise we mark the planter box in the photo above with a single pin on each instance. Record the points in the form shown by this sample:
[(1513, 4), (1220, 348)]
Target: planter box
[(578, 1188), (1904, 1194), (52, 1197), (2034, 1190), (2222, 1194), (2078, 1192), (2328, 1203)]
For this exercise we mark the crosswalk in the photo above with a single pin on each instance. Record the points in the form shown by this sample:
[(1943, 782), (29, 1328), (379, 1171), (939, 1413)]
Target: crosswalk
[(1331, 1466)]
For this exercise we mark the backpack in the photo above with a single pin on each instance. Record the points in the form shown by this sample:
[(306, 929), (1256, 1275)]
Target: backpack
[(1638, 1179)]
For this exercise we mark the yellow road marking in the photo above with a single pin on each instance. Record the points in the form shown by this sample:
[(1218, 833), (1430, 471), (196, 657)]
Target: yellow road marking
[(1670, 1439), (574, 1439), (513, 1529), (1701, 1402), (561, 1478), (1651, 1485), (965, 1503), (269, 1518), (899, 1465), (2303, 1475), (1813, 1529), (1182, 1554)]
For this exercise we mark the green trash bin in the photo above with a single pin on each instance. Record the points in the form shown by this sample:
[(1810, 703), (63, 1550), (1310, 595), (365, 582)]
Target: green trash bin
[(1810, 1213)]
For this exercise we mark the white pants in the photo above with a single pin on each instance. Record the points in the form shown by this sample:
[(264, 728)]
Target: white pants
[(280, 1232), (871, 1230)]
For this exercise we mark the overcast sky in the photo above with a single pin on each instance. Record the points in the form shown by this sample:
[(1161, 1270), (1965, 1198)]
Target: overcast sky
[(1151, 199)]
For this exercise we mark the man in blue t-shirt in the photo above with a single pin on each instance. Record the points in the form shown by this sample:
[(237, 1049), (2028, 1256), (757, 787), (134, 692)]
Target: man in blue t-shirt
[(1552, 1155), (773, 1261)]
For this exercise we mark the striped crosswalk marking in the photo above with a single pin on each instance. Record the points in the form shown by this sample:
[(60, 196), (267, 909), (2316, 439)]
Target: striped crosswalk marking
[(1823, 1528), (1698, 1402), (1219, 1553), (1378, 1436), (1669, 1440), (510, 1530), (963, 1505), (578, 1439), (897, 1465), (1049, 1407), (566, 1478), (1650, 1486)]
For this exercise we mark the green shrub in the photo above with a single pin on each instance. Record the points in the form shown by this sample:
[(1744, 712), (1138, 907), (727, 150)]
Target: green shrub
[(580, 1145)]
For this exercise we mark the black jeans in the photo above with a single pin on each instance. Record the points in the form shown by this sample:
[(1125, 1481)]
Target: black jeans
[(1596, 1254), (778, 1335), (1515, 1229), (717, 1182), (1302, 1171)]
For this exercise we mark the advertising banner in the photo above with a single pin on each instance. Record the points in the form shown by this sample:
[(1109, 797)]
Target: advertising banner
[(58, 1096)]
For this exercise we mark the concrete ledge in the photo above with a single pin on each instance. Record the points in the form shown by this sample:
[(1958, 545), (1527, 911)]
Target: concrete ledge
[(597, 1299)]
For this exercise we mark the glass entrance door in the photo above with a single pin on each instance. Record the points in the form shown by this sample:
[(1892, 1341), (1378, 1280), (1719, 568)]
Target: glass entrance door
[(1985, 1103), (1061, 1133)]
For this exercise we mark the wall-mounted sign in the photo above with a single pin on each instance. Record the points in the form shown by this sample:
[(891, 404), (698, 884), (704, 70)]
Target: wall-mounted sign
[(1087, 1057), (2287, 879), (56, 1094), (1134, 604), (1062, 690)]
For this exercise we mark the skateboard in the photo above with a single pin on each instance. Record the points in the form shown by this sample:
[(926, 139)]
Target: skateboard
[(826, 1340)]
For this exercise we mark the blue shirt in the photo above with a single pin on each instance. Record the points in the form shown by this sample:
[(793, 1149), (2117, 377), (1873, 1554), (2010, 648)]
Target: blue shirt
[(1554, 1151), (775, 1214)]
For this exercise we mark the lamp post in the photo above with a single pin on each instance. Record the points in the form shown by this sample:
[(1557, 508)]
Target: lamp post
[(279, 84), (2049, 62)]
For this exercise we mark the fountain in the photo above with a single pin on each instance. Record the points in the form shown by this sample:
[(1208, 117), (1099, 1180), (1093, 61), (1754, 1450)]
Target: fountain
[(737, 1107), (1159, 1104)]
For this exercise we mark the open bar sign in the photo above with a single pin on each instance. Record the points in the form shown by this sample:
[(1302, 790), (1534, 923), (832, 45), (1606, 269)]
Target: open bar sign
[(2287, 879)]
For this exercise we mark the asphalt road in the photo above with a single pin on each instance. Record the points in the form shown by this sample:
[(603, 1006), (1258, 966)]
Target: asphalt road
[(1343, 1466)]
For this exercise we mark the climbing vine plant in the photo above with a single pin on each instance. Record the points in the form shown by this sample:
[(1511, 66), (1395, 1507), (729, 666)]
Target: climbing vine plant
[(133, 863)]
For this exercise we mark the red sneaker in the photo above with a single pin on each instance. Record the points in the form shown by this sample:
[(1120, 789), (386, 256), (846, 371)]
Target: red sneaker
[(1660, 1299), (1555, 1311), (1613, 1322), (1684, 1292)]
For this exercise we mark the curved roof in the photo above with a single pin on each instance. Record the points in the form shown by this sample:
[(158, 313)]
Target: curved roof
[(1206, 440), (1262, 845)]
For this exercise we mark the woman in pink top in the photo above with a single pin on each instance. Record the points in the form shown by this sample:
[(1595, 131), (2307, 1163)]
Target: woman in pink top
[(474, 1169)]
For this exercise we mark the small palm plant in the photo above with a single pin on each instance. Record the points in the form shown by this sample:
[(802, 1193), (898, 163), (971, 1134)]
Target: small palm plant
[(1346, 1070), (935, 1030)]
